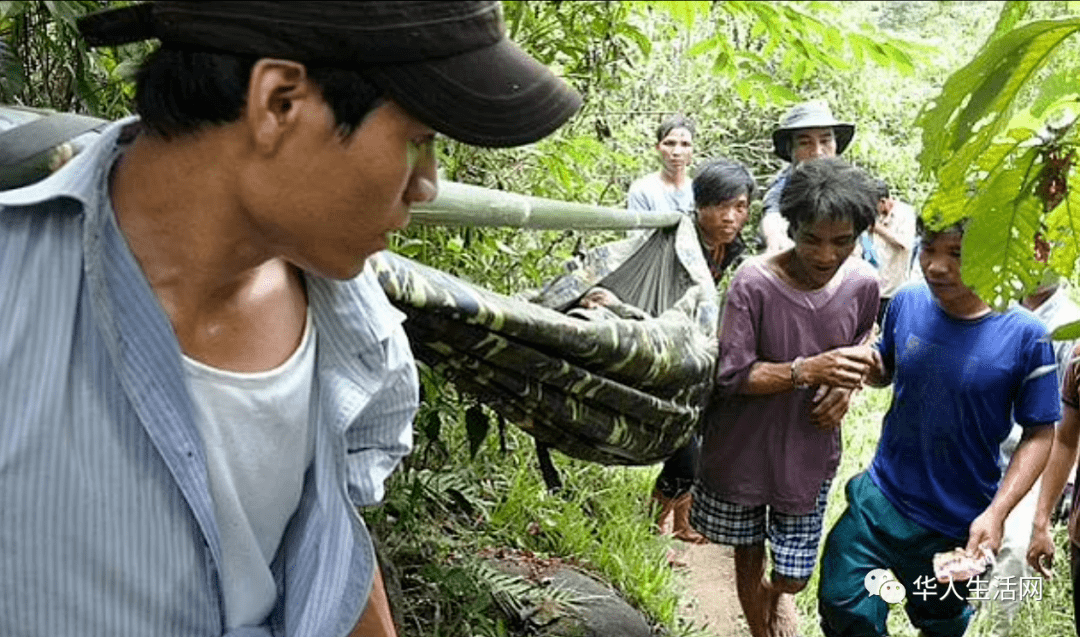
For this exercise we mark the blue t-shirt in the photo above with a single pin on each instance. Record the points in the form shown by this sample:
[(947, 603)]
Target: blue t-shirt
[(955, 385)]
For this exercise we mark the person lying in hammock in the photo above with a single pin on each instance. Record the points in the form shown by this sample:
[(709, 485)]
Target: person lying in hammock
[(723, 190)]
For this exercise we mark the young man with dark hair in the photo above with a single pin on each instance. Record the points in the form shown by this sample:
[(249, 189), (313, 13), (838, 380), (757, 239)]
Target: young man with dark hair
[(668, 188), (961, 372), (202, 379), (791, 352), (723, 191)]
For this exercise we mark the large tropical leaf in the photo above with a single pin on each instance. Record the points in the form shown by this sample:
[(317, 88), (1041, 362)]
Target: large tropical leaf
[(1063, 233), (977, 101), (999, 244), (988, 162)]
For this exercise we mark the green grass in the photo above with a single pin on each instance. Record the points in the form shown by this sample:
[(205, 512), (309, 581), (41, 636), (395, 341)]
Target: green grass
[(861, 430)]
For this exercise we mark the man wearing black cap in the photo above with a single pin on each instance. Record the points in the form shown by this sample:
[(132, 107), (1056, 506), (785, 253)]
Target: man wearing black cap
[(807, 131), (201, 378)]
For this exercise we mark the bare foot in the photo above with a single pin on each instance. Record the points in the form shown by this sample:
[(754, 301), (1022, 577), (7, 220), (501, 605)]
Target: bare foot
[(674, 559), (783, 621)]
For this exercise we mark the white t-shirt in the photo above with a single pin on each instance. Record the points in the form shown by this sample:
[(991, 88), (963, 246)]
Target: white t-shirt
[(651, 193), (259, 443)]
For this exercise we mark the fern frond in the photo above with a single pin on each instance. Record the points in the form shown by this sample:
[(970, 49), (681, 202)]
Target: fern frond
[(520, 598)]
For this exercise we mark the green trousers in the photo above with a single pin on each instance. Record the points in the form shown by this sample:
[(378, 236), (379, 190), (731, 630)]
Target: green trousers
[(871, 534)]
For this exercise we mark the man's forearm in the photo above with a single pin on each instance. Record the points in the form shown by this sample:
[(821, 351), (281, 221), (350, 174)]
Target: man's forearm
[(890, 237), (377, 621), (767, 378), (774, 229), (1028, 462), (1059, 466)]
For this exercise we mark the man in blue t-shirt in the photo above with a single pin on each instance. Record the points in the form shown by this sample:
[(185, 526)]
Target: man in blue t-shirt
[(959, 371)]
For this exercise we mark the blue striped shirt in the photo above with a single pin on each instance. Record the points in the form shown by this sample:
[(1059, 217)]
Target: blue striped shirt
[(106, 521)]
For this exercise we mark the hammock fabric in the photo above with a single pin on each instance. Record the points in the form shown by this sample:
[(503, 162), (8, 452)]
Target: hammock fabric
[(620, 386), (613, 390)]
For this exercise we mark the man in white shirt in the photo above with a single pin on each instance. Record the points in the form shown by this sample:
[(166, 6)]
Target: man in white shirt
[(890, 240), (668, 188), (202, 380)]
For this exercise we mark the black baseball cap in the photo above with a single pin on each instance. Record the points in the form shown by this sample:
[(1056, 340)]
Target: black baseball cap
[(449, 64)]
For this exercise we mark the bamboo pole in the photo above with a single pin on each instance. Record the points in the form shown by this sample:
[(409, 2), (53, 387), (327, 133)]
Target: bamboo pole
[(465, 205)]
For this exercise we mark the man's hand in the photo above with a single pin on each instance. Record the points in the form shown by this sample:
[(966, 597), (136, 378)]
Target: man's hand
[(598, 297), (774, 229), (985, 530), (1041, 549), (845, 367), (830, 406)]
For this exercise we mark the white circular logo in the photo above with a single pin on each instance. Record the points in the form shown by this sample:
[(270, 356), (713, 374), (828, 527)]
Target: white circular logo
[(875, 578)]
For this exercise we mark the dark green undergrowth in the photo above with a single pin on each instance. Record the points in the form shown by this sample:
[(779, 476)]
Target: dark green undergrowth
[(447, 506)]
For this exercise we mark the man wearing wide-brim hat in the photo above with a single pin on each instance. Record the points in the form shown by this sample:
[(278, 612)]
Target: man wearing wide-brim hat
[(807, 131), (202, 380)]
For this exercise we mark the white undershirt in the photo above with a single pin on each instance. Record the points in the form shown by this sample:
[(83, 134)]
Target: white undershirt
[(259, 443)]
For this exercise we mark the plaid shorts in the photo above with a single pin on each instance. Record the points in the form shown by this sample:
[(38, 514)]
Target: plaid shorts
[(793, 539)]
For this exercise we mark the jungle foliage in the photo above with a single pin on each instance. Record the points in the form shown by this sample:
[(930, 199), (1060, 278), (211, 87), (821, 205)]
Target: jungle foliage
[(999, 143)]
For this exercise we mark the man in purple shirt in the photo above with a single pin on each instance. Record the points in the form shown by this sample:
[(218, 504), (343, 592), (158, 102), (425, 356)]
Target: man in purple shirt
[(792, 350)]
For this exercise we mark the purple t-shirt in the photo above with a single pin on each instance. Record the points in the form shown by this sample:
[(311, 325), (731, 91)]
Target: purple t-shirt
[(763, 449)]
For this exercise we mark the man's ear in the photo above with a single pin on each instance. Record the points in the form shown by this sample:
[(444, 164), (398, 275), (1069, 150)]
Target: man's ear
[(278, 93)]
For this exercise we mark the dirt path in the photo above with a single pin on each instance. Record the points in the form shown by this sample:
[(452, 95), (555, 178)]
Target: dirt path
[(709, 578)]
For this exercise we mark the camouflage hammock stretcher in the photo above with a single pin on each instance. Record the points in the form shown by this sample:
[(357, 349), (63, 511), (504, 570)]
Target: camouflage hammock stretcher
[(613, 391)]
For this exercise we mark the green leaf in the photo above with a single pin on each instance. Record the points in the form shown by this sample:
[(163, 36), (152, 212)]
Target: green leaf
[(635, 35), (505, 249), (900, 58), (431, 425), (1011, 14), (63, 11), (744, 88), (977, 100), (999, 242), (1059, 87), (781, 94), (704, 46), (722, 63), (1063, 231), (685, 11), (1067, 332), (477, 425), (409, 247), (12, 9), (757, 30)]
